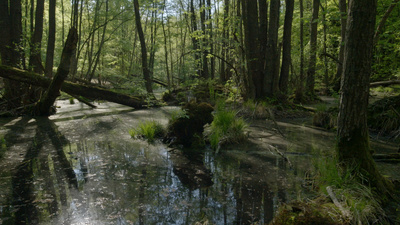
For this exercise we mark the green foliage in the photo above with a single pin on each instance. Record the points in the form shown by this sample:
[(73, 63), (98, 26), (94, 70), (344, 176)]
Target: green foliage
[(71, 100), (149, 130), (178, 114), (226, 128), (3, 146)]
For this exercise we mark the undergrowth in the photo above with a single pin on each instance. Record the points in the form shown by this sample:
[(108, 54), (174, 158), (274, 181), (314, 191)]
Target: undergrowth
[(226, 128), (356, 198), (149, 130), (341, 199)]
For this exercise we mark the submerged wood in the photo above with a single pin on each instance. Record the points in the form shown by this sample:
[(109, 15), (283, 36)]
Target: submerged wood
[(72, 88)]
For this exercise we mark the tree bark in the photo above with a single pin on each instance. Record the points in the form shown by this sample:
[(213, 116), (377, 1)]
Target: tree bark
[(224, 48), (310, 82), (300, 86), (89, 92), (272, 66), (204, 41), (353, 147), (287, 47), (146, 72), (195, 42), (51, 40), (53, 91), (10, 47), (250, 22), (339, 67), (35, 60)]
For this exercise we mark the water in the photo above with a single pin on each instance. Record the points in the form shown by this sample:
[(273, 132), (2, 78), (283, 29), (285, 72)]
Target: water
[(80, 166)]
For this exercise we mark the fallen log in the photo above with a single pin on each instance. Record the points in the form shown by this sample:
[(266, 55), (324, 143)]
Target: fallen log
[(384, 83), (387, 158), (72, 88)]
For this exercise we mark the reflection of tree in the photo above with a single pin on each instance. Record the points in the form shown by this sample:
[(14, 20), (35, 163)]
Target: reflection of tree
[(38, 181), (191, 170)]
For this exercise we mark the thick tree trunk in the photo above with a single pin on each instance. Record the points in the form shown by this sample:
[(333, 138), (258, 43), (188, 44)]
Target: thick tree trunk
[(10, 47), (51, 40), (310, 82), (50, 96), (287, 47), (146, 71), (272, 66), (353, 147), (35, 60), (72, 88), (250, 22)]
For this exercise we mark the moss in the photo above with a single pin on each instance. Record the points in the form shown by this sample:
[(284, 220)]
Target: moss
[(318, 212), (187, 129)]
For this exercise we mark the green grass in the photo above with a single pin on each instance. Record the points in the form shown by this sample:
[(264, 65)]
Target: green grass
[(355, 197), (227, 128), (149, 130)]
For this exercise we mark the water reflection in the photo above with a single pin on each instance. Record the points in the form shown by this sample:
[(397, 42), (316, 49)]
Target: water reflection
[(104, 177)]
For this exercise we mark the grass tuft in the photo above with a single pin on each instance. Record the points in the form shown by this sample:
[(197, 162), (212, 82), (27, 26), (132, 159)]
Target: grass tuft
[(149, 130), (226, 128)]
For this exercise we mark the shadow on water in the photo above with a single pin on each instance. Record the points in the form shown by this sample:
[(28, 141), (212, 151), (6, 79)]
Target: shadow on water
[(90, 171), (117, 180), (37, 179)]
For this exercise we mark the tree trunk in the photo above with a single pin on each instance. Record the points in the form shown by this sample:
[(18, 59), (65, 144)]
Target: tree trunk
[(339, 67), (43, 107), (165, 47), (51, 40), (310, 82), (211, 44), (224, 47), (272, 71), (194, 39), (89, 92), (146, 72), (300, 85), (35, 60), (204, 42), (250, 21), (287, 47), (353, 147), (263, 32), (10, 47)]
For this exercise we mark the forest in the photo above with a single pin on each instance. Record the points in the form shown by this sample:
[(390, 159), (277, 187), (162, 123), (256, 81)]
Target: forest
[(199, 111)]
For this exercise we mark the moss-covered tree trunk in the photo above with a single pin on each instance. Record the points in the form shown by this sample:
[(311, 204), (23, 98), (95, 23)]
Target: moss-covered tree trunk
[(353, 147)]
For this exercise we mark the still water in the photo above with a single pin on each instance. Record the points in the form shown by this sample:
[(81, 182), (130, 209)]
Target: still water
[(80, 166)]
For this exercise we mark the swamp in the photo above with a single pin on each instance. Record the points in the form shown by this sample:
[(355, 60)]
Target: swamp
[(199, 112)]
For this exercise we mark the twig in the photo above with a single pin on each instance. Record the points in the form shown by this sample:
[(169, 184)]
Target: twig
[(344, 212), (395, 111), (282, 155), (271, 115)]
